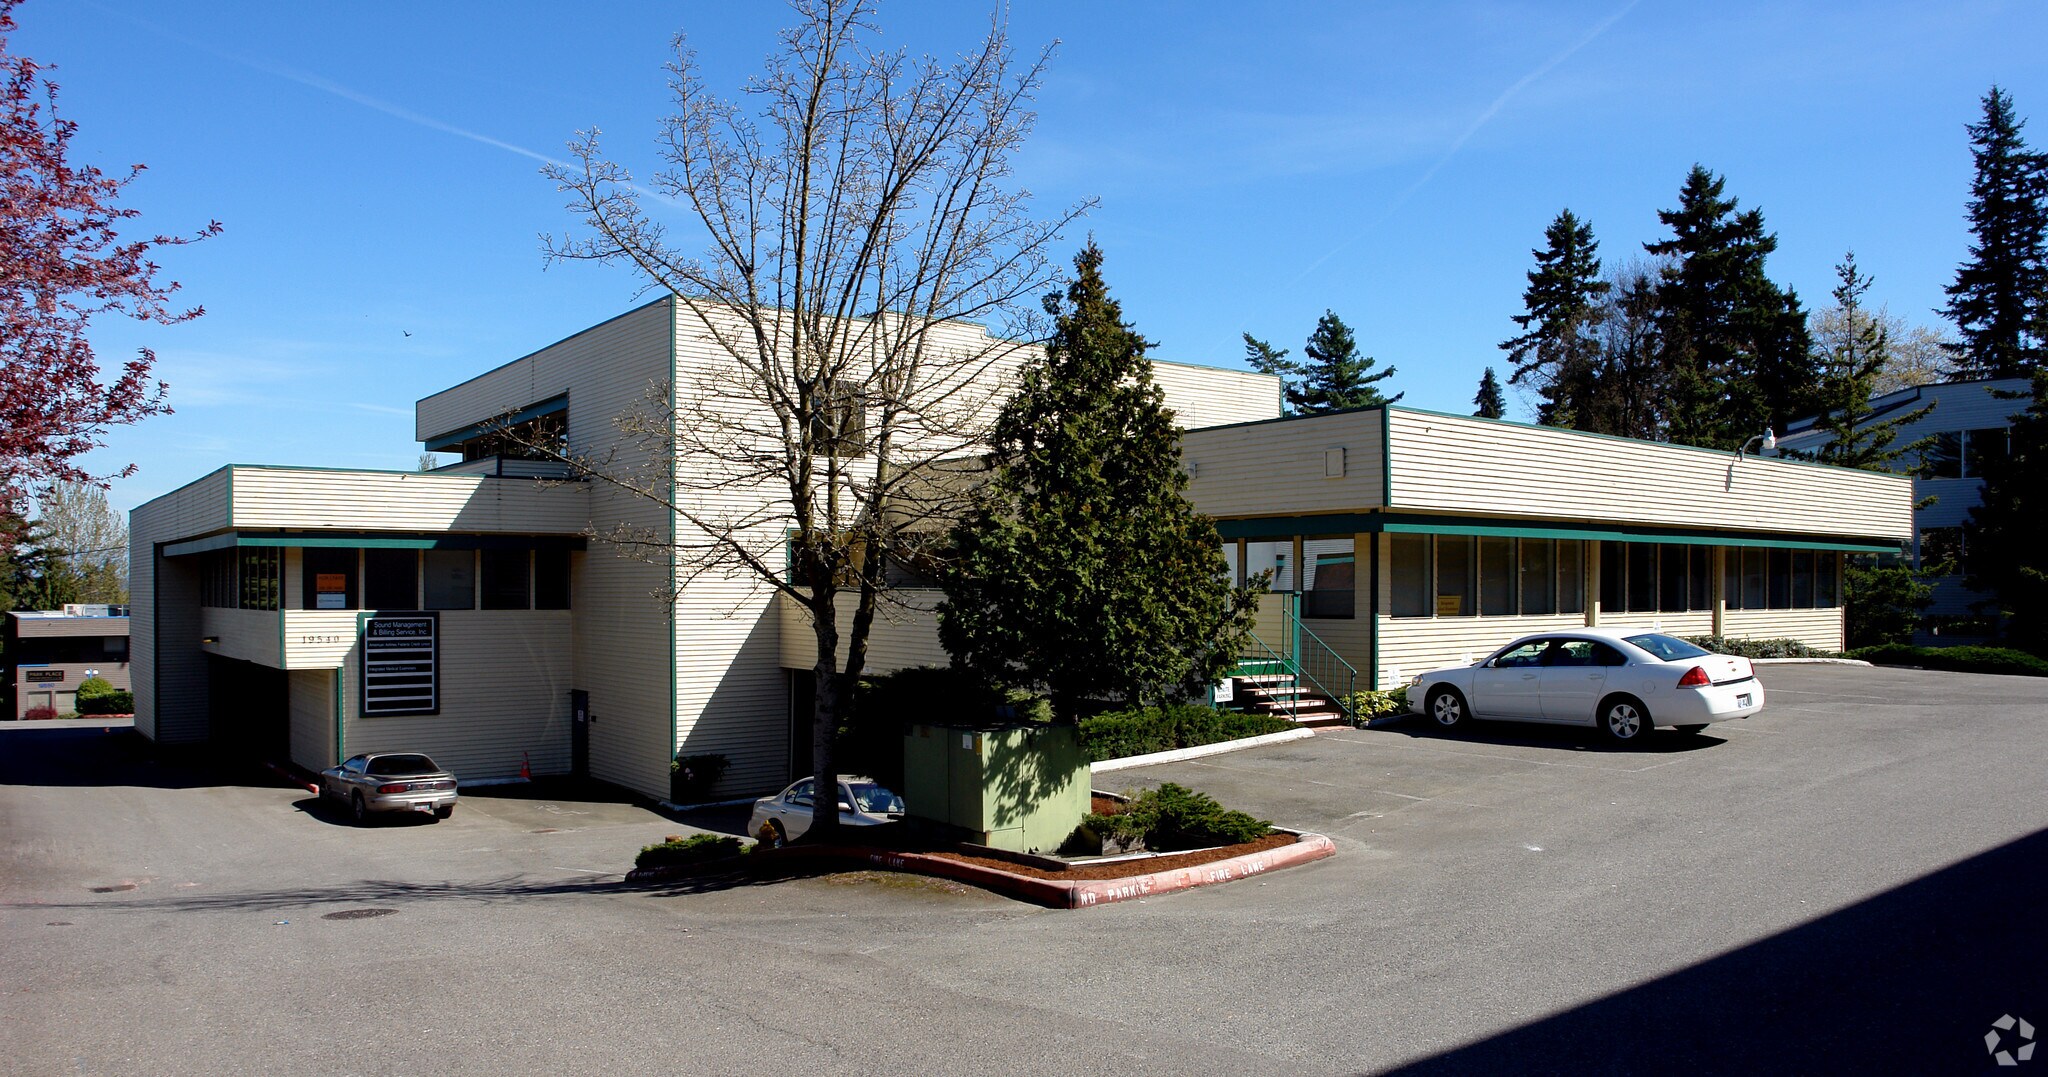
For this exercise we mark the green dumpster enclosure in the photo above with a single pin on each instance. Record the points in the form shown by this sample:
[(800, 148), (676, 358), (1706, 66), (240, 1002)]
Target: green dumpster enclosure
[(1021, 786)]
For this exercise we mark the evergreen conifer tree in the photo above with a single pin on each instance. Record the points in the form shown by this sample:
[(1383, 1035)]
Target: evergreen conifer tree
[(1562, 308), (1266, 359), (1999, 301), (1488, 400), (1081, 568), (2005, 553), (1733, 344), (1849, 371), (1336, 377)]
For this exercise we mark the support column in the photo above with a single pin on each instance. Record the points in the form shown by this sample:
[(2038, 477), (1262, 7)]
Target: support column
[(1720, 590), (1592, 583), (1243, 550), (1300, 571)]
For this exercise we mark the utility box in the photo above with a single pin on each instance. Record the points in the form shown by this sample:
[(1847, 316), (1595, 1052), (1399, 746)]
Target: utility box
[(1021, 786)]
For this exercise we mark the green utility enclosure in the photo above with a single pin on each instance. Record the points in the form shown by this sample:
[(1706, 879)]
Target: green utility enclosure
[(1021, 786)]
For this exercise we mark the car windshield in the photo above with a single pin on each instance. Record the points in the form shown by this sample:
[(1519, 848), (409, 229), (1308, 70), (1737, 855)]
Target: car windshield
[(874, 799), (1668, 648), (399, 766)]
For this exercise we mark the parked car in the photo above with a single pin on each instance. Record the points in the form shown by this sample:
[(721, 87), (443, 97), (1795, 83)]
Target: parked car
[(786, 815), (1625, 681), (390, 781)]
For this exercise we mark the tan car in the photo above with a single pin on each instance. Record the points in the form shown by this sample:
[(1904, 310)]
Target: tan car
[(390, 782)]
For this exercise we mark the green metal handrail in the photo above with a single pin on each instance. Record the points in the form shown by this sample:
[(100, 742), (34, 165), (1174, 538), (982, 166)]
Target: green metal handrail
[(1324, 668)]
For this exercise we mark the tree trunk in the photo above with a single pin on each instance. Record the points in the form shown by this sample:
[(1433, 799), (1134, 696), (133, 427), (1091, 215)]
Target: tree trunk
[(827, 700)]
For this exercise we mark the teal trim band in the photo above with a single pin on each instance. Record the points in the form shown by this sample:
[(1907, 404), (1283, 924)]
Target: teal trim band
[(375, 541), (453, 438), (1279, 527)]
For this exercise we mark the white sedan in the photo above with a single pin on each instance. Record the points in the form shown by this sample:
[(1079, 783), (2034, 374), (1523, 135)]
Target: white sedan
[(1624, 681), (786, 815)]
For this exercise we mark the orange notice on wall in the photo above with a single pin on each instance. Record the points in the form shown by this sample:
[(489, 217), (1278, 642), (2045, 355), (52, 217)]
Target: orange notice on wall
[(330, 582)]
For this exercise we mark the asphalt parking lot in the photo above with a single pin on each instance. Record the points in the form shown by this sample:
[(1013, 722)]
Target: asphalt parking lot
[(1853, 880)]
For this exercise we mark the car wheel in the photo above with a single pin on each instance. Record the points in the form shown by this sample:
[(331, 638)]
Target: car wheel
[(772, 835), (359, 810), (1625, 719), (443, 813), (1447, 708), (1690, 730)]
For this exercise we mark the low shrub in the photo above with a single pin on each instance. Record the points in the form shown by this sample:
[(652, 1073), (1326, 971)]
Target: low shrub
[(1759, 648), (114, 702), (1370, 704), (1143, 730), (1173, 817), (678, 851), (692, 777), (1955, 659), (39, 714)]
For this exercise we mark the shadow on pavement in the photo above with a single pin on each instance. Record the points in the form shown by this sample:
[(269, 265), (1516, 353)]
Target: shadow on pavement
[(81, 755), (1907, 981), (1570, 738)]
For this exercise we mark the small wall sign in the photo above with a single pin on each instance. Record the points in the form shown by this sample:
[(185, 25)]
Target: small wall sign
[(401, 664)]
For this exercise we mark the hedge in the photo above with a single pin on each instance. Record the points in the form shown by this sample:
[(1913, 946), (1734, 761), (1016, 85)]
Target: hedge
[(1759, 648), (1956, 659), (678, 851), (1173, 817), (1143, 730)]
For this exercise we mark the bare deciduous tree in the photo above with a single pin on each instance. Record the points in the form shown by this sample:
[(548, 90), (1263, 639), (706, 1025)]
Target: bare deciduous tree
[(855, 208)]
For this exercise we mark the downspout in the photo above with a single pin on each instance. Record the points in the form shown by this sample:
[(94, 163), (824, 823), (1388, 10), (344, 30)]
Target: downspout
[(674, 708)]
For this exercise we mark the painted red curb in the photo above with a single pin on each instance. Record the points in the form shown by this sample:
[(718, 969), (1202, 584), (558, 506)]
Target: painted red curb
[(281, 772), (1080, 893)]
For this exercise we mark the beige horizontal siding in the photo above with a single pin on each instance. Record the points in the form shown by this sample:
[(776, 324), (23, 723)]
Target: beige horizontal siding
[(1688, 623), (247, 635), (1464, 465), (309, 699), (505, 680), (58, 627), (1209, 396), (905, 633), (1279, 468), (322, 639), (269, 498), (1411, 645), (1820, 629)]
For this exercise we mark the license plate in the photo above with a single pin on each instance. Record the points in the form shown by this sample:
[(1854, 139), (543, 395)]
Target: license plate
[(1742, 700), (429, 807)]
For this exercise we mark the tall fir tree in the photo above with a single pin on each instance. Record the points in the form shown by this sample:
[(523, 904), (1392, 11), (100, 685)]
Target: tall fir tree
[(1266, 359), (1733, 344), (1336, 376), (1859, 352), (1999, 301), (2006, 555), (1081, 568), (1488, 400), (1558, 348)]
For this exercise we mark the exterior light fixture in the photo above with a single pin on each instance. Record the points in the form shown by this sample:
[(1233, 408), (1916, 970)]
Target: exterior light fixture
[(1769, 439)]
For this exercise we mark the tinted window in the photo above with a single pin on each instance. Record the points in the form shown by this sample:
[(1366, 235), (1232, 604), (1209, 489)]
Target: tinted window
[(1411, 574), (1603, 655), (399, 766), (1497, 577), (1572, 652), (800, 793), (874, 799), (1571, 576), (506, 584), (1528, 654), (1668, 648), (551, 579), (391, 579), (451, 579), (1456, 577), (328, 581), (1538, 576)]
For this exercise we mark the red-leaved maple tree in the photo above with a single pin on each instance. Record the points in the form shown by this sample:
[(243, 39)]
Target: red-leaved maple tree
[(63, 261)]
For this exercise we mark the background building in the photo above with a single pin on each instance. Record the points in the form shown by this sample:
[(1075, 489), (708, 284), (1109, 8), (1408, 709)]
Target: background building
[(50, 651)]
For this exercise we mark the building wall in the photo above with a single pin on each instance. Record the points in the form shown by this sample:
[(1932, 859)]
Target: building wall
[(1823, 629), (1211, 396), (904, 634), (1458, 464), (1282, 468), (166, 665), (309, 703), (271, 498)]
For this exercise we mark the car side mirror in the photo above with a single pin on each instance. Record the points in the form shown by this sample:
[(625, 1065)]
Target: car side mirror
[(844, 806)]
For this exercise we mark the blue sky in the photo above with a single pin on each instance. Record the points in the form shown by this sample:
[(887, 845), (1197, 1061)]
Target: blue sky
[(374, 165)]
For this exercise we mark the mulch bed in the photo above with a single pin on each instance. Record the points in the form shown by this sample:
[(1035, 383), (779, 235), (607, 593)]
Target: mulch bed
[(1121, 869)]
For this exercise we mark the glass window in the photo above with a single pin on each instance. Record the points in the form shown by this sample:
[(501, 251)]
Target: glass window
[(1497, 577), (1700, 596), (1613, 577), (1827, 580), (1332, 571), (1731, 576), (1753, 576), (391, 579), (1527, 654), (507, 579), (1642, 576), (1269, 557), (1539, 576), (1571, 576), (450, 578), (1802, 579), (259, 575), (328, 578), (1781, 579), (1409, 574), (1456, 576), (1984, 446), (1668, 648), (551, 579), (1943, 457), (1672, 589)]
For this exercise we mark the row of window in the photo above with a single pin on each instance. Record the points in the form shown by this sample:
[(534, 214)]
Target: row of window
[(1465, 576), (1962, 454), (250, 578)]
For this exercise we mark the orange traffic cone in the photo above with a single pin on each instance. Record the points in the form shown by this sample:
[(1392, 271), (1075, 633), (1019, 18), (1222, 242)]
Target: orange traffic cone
[(525, 766)]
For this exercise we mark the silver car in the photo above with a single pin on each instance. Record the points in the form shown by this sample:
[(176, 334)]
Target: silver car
[(786, 815), (390, 782)]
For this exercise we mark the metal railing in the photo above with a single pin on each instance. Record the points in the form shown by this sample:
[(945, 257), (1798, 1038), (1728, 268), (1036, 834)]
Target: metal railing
[(1325, 669), (1303, 656)]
